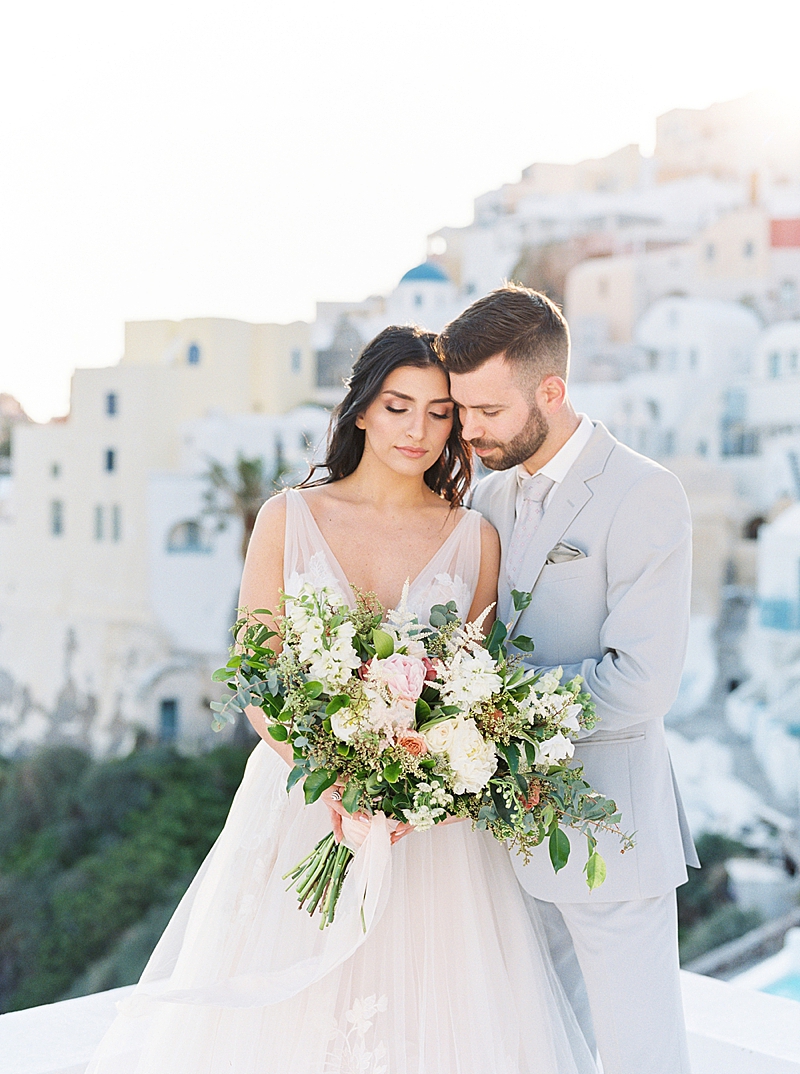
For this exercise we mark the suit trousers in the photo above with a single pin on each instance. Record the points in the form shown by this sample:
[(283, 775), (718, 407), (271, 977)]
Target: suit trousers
[(618, 964)]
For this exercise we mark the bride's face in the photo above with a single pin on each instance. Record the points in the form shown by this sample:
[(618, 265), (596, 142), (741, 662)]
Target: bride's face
[(407, 426)]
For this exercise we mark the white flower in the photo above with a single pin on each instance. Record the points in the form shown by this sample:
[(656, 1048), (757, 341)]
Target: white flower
[(438, 737), (471, 677), (550, 681), (388, 717), (345, 723), (472, 758), (569, 721), (555, 750)]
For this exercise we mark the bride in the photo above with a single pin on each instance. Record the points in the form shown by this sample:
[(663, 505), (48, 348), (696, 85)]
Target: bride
[(451, 975)]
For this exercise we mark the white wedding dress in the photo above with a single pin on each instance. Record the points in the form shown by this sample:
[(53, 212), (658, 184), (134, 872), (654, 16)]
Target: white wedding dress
[(450, 976)]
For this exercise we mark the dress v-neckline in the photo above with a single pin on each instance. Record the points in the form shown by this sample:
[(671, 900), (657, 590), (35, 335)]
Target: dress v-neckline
[(336, 565)]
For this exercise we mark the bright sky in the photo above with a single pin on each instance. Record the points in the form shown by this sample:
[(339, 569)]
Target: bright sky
[(178, 158)]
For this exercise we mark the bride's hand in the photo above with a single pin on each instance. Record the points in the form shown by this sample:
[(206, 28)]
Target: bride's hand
[(332, 798), (400, 832)]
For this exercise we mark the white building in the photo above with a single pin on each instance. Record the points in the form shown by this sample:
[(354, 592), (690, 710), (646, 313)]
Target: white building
[(425, 296), (115, 592), (766, 709)]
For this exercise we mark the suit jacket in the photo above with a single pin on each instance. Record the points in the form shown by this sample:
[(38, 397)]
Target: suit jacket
[(618, 616)]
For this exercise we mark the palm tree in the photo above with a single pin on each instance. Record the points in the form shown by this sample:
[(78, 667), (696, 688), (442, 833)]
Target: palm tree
[(239, 491)]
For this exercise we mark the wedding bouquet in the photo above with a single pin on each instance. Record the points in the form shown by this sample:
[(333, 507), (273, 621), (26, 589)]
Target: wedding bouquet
[(421, 723)]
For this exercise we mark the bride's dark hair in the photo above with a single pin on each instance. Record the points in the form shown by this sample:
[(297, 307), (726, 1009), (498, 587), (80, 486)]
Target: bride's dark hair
[(394, 347)]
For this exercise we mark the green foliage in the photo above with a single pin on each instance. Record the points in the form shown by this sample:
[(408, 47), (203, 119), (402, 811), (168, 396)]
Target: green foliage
[(707, 916), (87, 849), (728, 922)]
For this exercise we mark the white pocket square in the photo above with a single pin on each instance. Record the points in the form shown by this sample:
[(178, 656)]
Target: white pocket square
[(563, 553)]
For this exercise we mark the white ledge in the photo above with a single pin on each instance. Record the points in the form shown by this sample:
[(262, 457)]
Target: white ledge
[(731, 1031)]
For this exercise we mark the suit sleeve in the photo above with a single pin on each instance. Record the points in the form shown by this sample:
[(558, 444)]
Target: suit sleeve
[(643, 639)]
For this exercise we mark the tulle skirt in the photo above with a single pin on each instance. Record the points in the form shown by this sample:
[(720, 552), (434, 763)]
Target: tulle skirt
[(435, 963)]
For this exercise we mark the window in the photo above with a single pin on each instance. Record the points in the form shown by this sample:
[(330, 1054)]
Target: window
[(98, 522), (297, 359), (749, 249), (111, 404), (193, 354), (168, 719), (693, 358), (794, 361), (110, 460), (55, 470), (186, 537), (116, 522), (710, 251), (56, 517), (775, 364), (418, 299)]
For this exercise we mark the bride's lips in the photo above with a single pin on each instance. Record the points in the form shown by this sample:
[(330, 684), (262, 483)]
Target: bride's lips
[(413, 453)]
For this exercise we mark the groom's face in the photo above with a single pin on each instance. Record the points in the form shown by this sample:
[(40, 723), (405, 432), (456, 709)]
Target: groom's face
[(501, 420)]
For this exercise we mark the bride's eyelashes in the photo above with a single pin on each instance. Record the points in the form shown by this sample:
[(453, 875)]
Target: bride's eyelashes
[(402, 410)]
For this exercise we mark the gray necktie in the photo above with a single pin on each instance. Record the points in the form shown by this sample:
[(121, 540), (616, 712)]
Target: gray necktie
[(534, 493)]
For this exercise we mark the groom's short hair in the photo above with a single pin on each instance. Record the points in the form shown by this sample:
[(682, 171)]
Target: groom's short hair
[(522, 324)]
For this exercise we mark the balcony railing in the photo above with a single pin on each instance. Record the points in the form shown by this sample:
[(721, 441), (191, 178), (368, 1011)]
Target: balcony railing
[(731, 1031)]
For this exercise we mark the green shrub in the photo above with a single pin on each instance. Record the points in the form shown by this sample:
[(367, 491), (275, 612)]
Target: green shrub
[(87, 849)]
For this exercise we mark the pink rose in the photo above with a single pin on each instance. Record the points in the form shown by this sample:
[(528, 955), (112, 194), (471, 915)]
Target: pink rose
[(403, 675)]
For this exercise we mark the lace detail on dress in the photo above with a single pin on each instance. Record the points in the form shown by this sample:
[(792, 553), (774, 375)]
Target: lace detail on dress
[(350, 1054), (450, 574)]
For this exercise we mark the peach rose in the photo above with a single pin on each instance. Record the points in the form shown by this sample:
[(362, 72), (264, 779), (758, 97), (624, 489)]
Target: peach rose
[(412, 741)]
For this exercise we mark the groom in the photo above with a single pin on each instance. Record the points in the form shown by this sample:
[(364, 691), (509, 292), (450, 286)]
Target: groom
[(602, 538)]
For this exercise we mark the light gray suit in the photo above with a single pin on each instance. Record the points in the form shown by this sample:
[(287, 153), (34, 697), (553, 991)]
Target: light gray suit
[(618, 616)]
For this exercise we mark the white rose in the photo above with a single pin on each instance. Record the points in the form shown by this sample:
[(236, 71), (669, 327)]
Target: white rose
[(345, 723), (472, 758), (555, 750), (438, 737)]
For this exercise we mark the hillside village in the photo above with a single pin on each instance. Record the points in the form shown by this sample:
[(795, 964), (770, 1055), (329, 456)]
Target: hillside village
[(680, 277)]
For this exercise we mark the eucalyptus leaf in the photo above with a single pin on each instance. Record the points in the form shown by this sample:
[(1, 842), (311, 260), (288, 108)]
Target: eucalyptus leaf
[(296, 774)]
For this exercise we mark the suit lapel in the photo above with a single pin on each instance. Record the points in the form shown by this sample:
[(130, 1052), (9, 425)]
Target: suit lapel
[(568, 500)]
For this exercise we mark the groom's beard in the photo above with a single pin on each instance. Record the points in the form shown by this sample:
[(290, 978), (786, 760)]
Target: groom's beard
[(526, 443)]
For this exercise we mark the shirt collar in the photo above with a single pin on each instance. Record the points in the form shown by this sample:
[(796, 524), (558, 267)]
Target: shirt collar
[(558, 467)]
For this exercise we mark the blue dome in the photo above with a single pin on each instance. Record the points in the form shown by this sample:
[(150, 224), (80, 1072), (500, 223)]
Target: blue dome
[(428, 270)]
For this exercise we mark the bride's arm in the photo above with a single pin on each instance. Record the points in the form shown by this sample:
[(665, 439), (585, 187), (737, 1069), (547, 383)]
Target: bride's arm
[(262, 583), (486, 589)]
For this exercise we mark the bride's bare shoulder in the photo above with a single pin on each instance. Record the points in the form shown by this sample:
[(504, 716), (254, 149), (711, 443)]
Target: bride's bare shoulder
[(270, 523)]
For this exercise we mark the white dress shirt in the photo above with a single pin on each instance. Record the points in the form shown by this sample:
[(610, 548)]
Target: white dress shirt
[(558, 467)]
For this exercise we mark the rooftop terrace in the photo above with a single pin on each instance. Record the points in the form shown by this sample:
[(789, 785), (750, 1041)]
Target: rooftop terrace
[(732, 1030)]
